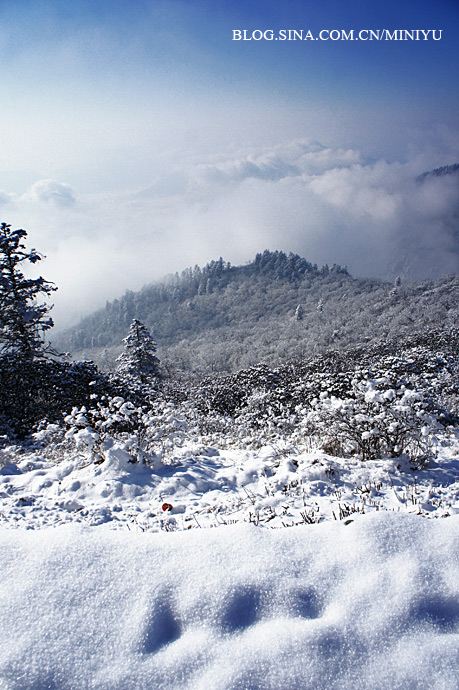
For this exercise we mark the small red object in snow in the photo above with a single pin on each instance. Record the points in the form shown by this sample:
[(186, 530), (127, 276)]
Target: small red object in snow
[(166, 506)]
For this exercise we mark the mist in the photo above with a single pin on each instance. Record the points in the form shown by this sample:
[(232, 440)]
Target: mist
[(331, 205), (138, 140)]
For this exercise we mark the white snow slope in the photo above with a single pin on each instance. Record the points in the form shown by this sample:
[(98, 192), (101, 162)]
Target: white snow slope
[(209, 486), (372, 604)]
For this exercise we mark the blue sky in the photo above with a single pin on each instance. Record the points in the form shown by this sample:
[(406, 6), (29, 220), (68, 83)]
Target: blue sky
[(192, 37), (145, 115), (65, 62)]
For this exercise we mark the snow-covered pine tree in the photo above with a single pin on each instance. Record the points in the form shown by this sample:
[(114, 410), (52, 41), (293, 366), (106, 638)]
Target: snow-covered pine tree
[(139, 360), (34, 387), (299, 312), (23, 321)]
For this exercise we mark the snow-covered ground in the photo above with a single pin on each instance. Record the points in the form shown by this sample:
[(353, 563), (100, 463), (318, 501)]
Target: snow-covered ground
[(369, 605), (205, 486), (181, 575)]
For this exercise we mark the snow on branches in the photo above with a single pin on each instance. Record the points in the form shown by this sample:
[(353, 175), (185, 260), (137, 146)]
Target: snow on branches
[(138, 360)]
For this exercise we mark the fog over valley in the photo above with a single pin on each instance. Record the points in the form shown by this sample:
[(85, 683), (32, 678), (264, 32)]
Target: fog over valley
[(330, 205)]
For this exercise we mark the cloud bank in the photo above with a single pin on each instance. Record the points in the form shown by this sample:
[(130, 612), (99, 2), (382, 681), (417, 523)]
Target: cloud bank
[(328, 204), (52, 192)]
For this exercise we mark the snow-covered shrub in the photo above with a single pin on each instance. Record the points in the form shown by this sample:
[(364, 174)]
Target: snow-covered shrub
[(377, 421), (167, 428), (94, 428), (265, 418), (31, 391), (149, 435)]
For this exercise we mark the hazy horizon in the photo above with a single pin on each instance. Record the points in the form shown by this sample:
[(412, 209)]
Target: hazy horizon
[(138, 140)]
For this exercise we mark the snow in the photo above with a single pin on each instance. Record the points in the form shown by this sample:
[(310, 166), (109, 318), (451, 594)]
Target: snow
[(211, 486), (372, 604), (227, 567)]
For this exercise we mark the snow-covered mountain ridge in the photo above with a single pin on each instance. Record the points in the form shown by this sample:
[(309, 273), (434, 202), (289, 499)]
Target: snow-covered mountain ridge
[(222, 318)]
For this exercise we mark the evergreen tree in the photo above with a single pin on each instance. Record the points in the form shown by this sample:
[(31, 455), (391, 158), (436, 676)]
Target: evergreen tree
[(139, 359), (299, 313), (23, 320), (33, 387)]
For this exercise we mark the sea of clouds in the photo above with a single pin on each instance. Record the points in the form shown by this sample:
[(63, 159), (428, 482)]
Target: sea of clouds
[(329, 204)]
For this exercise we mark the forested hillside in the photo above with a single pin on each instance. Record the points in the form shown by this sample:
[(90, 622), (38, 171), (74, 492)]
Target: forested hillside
[(223, 318), (363, 439)]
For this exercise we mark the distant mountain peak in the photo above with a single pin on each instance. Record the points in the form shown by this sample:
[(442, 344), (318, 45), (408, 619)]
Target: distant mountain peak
[(221, 318), (440, 172)]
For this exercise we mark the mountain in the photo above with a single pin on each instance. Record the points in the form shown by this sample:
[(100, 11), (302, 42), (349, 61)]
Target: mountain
[(440, 172), (221, 318)]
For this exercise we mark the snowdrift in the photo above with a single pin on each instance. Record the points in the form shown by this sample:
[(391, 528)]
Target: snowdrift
[(371, 604)]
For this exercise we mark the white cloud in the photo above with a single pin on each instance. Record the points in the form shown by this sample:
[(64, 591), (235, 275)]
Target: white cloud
[(328, 204), (52, 192), (5, 198), (292, 160)]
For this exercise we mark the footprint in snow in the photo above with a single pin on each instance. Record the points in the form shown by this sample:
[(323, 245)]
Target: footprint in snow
[(242, 608), (162, 626), (305, 602), (441, 612)]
